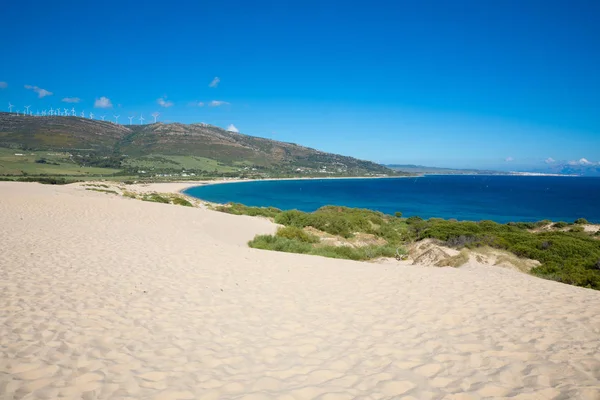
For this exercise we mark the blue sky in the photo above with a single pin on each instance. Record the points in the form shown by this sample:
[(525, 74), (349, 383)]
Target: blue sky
[(442, 83)]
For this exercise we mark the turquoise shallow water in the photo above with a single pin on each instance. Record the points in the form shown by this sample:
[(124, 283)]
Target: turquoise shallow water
[(472, 197)]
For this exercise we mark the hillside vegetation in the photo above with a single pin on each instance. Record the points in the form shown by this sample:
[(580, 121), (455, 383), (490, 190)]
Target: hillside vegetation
[(165, 150)]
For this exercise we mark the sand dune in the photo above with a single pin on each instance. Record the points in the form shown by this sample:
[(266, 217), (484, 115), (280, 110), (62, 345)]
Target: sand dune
[(103, 297)]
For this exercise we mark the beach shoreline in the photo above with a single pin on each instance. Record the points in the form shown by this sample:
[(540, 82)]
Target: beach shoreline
[(108, 297)]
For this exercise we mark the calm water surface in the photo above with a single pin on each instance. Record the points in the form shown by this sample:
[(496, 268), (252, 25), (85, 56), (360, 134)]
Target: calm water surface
[(474, 197)]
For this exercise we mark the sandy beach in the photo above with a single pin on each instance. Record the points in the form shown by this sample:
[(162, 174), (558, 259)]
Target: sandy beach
[(104, 297)]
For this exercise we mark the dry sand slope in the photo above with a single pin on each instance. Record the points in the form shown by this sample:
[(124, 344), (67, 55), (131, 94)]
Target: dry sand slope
[(110, 298)]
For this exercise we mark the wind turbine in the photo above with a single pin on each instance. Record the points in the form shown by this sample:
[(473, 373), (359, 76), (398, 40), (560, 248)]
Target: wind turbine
[(73, 111), (155, 115), (91, 115), (102, 117), (141, 118), (116, 119), (57, 112), (51, 111), (83, 114), (43, 113), (10, 107), (27, 110), (130, 119), (37, 113), (18, 111), (66, 112)]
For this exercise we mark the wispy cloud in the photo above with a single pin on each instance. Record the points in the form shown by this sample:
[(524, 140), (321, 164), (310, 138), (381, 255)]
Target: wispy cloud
[(196, 104), (3, 85), (232, 128), (103, 102), (509, 159), (549, 160), (41, 92), (71, 99), (217, 103), (215, 82), (163, 102)]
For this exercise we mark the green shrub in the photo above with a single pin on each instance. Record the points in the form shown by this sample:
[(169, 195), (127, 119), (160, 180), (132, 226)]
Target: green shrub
[(413, 219), (240, 209), (180, 201), (276, 243), (581, 221), (295, 233), (45, 181), (560, 225), (577, 229), (102, 190), (283, 244), (155, 197), (398, 214)]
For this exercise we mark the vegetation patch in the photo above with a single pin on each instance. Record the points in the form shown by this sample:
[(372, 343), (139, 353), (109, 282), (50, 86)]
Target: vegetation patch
[(155, 198), (278, 243), (571, 257), (240, 209), (455, 261), (180, 201), (102, 190)]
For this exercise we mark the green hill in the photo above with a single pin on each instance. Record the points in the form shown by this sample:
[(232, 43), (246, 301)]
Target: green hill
[(169, 148)]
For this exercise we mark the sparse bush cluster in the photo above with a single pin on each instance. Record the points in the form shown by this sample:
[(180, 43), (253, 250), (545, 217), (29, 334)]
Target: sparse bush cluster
[(155, 197), (571, 257), (567, 257), (345, 222), (180, 201), (240, 209), (278, 243)]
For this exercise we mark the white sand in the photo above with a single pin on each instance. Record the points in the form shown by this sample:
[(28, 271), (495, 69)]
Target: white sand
[(103, 297)]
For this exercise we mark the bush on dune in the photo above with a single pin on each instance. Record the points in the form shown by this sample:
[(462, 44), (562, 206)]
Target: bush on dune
[(284, 244), (570, 257), (180, 201), (567, 257), (240, 209), (295, 233)]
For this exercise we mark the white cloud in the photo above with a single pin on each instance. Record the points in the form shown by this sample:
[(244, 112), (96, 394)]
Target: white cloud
[(196, 104), (232, 128), (71, 99), (41, 92), (509, 159), (164, 103), (549, 160), (215, 82), (3, 85), (583, 161), (103, 102), (217, 103)]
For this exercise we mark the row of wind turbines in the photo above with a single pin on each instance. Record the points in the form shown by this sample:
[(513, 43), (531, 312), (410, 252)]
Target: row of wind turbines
[(72, 113)]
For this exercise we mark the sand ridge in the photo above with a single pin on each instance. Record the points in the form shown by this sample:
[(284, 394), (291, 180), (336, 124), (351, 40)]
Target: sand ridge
[(103, 297)]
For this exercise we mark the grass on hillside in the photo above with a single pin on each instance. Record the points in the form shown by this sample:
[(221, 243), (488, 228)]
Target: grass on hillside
[(167, 162), (44, 163)]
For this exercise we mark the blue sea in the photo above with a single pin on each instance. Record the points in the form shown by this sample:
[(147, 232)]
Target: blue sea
[(464, 197)]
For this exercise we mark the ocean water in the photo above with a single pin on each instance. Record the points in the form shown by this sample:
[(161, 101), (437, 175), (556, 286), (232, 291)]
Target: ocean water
[(464, 197)]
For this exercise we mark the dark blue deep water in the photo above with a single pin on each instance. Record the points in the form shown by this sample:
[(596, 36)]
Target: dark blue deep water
[(472, 197)]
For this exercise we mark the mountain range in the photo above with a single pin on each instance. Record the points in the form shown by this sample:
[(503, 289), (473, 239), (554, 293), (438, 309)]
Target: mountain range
[(95, 139)]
